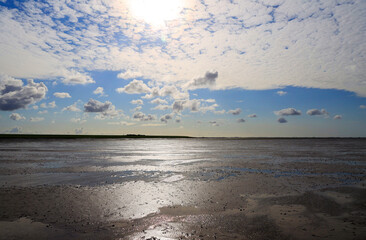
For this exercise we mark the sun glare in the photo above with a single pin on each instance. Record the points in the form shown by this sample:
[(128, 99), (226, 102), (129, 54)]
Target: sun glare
[(156, 12)]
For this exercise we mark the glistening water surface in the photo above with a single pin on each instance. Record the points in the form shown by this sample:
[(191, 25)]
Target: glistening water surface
[(97, 162), (120, 187)]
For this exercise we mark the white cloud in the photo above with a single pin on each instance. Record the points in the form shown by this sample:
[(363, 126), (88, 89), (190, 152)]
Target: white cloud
[(281, 93), (72, 108), (134, 87), (152, 125), (123, 123), (137, 102), (138, 108), (75, 78), (158, 101), (16, 117), (99, 91), (48, 105), (13, 95), (214, 123), (52, 104), (241, 120), (162, 107), (77, 120), (166, 117), (43, 112), (173, 92), (252, 115), (129, 75), (363, 106), (288, 112), (95, 106), (106, 109), (220, 112), (143, 117), (207, 81), (62, 95), (79, 130), (313, 112), (36, 119), (252, 44), (15, 130), (337, 117), (282, 120), (235, 111), (178, 106)]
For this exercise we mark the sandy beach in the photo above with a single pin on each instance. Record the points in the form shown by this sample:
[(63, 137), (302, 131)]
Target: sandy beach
[(184, 189)]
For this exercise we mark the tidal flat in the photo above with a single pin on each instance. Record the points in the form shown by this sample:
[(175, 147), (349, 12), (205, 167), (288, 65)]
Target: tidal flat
[(189, 188)]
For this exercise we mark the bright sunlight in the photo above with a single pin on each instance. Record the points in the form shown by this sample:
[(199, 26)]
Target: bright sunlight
[(156, 12)]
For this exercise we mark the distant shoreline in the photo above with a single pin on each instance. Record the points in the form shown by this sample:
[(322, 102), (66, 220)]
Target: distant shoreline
[(73, 136)]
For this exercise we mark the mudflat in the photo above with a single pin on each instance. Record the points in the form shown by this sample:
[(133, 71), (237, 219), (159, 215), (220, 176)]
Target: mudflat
[(183, 189)]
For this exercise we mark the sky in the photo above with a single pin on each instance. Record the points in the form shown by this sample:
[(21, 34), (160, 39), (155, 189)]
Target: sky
[(205, 68)]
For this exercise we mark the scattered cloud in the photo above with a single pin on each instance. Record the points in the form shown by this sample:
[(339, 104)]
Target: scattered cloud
[(363, 106), (158, 101), (123, 123), (252, 115), (43, 112), (162, 107), (337, 117), (178, 119), (76, 78), (72, 108), (143, 117), (152, 125), (129, 75), (99, 91), (78, 120), (36, 119), (106, 109), (48, 105), (288, 112), (234, 111), (16, 117), (241, 120), (15, 130), (281, 93), (178, 106), (134, 87), (207, 81), (166, 117), (210, 100), (62, 95), (137, 102), (220, 111), (14, 95), (313, 112), (214, 123), (79, 130), (95, 106), (282, 120), (50, 47), (138, 108)]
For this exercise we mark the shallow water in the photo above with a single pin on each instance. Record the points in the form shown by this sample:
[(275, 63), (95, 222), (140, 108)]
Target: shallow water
[(93, 162), (183, 189)]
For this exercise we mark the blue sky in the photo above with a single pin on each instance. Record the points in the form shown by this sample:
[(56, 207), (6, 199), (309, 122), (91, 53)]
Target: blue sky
[(183, 67)]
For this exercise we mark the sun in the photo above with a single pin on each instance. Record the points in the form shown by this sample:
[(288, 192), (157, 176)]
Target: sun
[(156, 12)]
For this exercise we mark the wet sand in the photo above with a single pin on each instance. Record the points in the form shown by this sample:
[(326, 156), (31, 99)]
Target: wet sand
[(236, 199)]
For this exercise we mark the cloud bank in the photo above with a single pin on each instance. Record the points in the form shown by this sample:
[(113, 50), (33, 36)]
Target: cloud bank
[(252, 44)]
